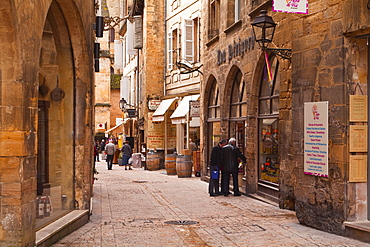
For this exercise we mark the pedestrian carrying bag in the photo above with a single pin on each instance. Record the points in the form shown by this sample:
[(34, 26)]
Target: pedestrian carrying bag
[(215, 173)]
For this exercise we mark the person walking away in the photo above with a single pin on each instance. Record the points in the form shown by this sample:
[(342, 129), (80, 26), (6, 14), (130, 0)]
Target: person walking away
[(126, 155), (97, 148), (231, 154), (102, 145), (215, 165), (110, 149)]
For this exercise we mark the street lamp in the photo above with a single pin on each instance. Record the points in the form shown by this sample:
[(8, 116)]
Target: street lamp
[(263, 29), (122, 104)]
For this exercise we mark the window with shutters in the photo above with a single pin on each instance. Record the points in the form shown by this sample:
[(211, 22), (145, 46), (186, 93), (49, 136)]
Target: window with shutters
[(172, 48), (189, 41), (214, 18), (170, 51), (196, 43)]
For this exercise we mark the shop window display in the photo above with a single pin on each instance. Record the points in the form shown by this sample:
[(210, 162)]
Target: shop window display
[(269, 167), (269, 144), (213, 125)]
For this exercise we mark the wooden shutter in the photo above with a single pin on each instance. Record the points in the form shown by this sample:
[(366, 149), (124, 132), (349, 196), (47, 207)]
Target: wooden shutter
[(189, 41), (170, 51)]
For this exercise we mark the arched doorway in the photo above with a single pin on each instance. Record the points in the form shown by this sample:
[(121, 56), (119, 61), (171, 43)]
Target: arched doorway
[(268, 119), (238, 115), (213, 134), (55, 159)]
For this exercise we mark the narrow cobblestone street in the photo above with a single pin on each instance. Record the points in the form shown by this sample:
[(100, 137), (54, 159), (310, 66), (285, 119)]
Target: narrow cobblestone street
[(131, 208)]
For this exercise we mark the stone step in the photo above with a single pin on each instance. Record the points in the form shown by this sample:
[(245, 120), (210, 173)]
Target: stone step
[(359, 230), (60, 228)]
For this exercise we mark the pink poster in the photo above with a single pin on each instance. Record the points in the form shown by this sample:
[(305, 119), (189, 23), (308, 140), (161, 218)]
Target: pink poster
[(291, 6)]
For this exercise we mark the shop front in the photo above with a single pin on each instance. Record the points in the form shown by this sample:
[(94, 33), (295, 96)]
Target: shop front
[(268, 129), (245, 105)]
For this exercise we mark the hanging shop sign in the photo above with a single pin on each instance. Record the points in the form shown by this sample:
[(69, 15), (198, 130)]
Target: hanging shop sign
[(153, 104), (316, 134), (290, 6), (238, 48), (194, 106)]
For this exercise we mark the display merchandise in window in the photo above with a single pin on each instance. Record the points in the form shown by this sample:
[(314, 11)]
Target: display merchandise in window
[(269, 144)]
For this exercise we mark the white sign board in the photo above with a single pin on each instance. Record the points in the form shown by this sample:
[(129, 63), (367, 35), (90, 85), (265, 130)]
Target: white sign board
[(291, 6), (316, 134), (194, 106)]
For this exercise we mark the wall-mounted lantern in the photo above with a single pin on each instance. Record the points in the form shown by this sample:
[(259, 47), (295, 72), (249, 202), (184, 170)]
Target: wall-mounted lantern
[(264, 30)]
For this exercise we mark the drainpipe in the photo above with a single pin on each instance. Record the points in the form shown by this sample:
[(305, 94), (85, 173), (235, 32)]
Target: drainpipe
[(138, 101), (164, 79), (368, 135)]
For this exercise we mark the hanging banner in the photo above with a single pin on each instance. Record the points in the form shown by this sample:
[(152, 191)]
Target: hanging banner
[(290, 6), (316, 136)]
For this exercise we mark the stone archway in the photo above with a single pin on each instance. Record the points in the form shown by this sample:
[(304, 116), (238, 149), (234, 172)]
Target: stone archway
[(21, 35)]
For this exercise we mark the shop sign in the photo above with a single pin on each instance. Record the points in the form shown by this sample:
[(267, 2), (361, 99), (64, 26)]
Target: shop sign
[(291, 6), (153, 104), (155, 136), (316, 134), (238, 48), (194, 106), (101, 126)]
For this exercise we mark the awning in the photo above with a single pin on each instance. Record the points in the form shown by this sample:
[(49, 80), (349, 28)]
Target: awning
[(115, 127), (179, 115), (158, 115)]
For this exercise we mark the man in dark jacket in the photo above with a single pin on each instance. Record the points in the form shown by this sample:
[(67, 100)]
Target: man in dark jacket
[(215, 165), (231, 155)]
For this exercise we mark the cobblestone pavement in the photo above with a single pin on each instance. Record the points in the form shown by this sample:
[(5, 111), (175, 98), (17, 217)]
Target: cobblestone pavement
[(131, 208)]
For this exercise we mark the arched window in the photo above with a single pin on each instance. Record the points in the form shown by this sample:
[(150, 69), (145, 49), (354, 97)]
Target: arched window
[(214, 103), (238, 101), (213, 120), (268, 123), (238, 113)]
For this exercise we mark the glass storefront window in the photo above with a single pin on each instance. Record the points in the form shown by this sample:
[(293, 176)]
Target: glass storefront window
[(213, 119), (269, 167), (55, 141), (269, 140)]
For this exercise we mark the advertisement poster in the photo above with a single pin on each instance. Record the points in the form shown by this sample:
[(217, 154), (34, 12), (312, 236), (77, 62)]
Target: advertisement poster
[(316, 134), (290, 6), (155, 138)]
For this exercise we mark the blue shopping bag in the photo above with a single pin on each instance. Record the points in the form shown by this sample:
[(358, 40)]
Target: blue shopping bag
[(215, 174)]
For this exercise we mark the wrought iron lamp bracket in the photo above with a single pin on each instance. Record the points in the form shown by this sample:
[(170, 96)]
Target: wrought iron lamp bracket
[(283, 53)]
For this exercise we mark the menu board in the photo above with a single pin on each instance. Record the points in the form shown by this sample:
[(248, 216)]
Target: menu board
[(358, 138), (357, 168), (358, 108), (316, 134)]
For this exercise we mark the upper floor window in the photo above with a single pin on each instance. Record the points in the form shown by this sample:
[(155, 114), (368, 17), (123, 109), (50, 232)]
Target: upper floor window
[(233, 11), (191, 40), (214, 18), (172, 48)]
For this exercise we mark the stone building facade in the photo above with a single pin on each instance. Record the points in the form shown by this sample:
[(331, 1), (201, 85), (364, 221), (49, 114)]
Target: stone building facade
[(141, 36), (173, 130), (46, 129), (265, 111)]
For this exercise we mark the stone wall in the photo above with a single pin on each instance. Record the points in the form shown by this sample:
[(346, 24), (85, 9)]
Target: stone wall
[(151, 58), (329, 63), (21, 39)]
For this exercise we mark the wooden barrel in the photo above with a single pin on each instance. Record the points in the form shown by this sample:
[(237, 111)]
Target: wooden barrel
[(170, 164), (183, 166), (152, 161)]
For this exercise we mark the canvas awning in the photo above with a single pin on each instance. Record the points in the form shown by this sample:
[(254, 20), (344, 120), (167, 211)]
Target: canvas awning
[(179, 115), (158, 115), (117, 126)]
